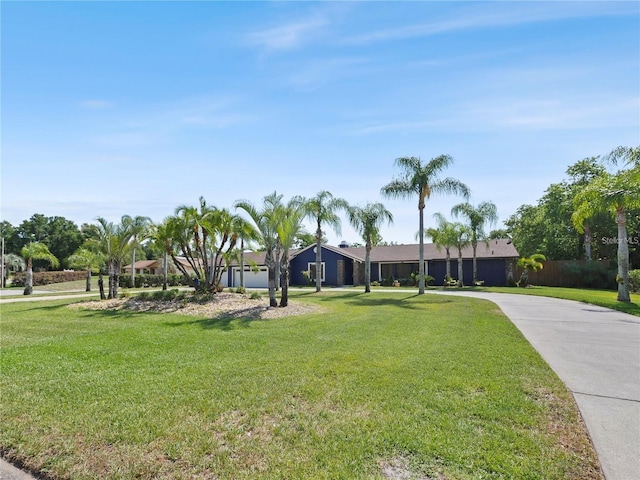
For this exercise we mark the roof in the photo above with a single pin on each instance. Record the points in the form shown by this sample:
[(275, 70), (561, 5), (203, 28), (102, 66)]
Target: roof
[(497, 248), (142, 264)]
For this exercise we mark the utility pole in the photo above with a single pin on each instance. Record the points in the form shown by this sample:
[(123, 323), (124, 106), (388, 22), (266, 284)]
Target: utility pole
[(2, 266)]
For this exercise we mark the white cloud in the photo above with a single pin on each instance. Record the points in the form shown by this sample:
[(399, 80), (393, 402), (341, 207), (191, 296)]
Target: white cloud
[(290, 35)]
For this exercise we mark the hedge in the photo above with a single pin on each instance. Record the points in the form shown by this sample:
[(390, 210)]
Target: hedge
[(47, 278), (146, 280), (634, 281)]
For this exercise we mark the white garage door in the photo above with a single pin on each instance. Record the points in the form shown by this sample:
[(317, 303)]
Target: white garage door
[(252, 279)]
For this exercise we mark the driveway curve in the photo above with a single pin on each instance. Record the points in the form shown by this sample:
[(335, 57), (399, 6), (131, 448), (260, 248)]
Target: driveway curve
[(596, 352)]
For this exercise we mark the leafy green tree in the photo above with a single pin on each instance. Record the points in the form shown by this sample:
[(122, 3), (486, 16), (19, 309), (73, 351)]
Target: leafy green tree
[(367, 221), (322, 209), (477, 217), (422, 180), (61, 236), (85, 258), (11, 240), (35, 251), (616, 194), (444, 236)]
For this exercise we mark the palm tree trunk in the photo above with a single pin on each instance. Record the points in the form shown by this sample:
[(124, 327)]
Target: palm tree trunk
[(284, 296), (367, 269), (421, 253), (460, 272), (88, 285), (474, 245), (28, 278), (587, 242), (101, 286), (623, 257), (242, 263), (318, 258), (271, 268), (165, 270), (133, 268), (448, 264)]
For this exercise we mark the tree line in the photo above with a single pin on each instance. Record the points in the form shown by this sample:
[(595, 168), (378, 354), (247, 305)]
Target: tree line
[(570, 217)]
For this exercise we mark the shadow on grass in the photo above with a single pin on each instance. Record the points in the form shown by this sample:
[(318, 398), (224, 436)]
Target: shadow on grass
[(412, 301)]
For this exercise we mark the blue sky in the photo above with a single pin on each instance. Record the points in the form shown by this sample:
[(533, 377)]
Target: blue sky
[(113, 108)]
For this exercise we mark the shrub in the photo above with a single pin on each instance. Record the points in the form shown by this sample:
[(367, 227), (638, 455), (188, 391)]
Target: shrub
[(634, 281), (146, 280), (590, 275), (240, 290), (47, 278), (256, 296)]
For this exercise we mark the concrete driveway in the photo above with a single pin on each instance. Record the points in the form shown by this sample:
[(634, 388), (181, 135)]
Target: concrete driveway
[(596, 353)]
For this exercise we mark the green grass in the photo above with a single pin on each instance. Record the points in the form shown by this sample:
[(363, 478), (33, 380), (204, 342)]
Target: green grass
[(426, 384), (603, 298)]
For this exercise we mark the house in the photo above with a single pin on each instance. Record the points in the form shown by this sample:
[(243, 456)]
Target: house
[(344, 265), (155, 267)]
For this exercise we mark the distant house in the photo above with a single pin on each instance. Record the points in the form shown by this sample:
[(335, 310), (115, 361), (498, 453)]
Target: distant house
[(345, 265), (155, 267)]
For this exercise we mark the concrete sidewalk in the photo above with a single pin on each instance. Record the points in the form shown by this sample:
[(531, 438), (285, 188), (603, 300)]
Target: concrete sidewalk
[(596, 353)]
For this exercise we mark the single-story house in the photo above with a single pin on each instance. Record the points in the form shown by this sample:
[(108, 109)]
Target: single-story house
[(344, 265), (155, 267)]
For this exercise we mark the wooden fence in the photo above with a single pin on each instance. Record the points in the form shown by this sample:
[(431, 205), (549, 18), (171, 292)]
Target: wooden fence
[(572, 273)]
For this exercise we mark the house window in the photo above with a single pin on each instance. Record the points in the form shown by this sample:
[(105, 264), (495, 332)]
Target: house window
[(312, 271)]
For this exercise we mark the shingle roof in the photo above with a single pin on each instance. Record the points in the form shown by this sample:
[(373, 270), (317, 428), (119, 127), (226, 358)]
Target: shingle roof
[(500, 248)]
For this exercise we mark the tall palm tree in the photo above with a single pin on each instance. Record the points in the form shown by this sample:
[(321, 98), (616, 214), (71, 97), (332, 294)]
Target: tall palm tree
[(423, 180), (367, 221), (322, 210), (266, 225), (444, 236), (477, 217), (84, 257), (616, 194), (462, 239), (139, 227), (35, 251)]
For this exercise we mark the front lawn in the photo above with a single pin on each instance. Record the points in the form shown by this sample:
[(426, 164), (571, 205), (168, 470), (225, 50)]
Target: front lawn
[(386, 385)]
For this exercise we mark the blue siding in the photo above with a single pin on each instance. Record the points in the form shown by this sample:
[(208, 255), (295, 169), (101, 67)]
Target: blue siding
[(492, 271), (330, 260)]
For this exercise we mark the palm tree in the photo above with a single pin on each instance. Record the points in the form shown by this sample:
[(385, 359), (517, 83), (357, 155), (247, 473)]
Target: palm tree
[(422, 180), (160, 235), (112, 240), (444, 237), (477, 217), (139, 227), (84, 257), (533, 263), (462, 239), (247, 234), (35, 251), (289, 227), (12, 263), (616, 194), (322, 210), (367, 221), (266, 226)]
